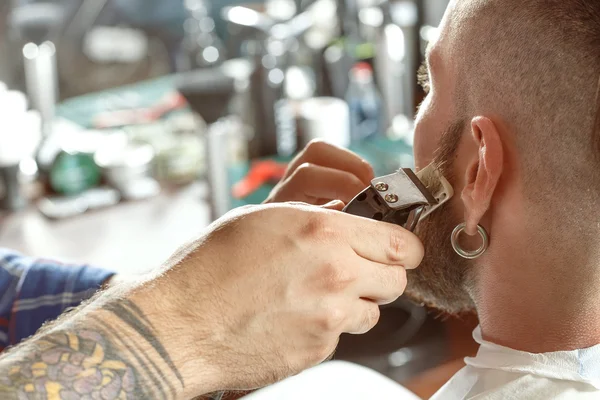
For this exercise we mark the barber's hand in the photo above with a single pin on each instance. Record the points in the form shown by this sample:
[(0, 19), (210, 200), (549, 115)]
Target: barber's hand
[(323, 172), (268, 290)]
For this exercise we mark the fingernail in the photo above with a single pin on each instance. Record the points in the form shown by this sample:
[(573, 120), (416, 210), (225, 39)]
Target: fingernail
[(334, 203)]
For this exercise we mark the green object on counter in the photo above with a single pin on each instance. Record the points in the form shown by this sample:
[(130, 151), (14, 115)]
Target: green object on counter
[(385, 155), (74, 173)]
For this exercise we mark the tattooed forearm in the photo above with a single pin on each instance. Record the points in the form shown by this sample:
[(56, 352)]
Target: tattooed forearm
[(112, 354), (132, 317), (69, 365), (129, 313)]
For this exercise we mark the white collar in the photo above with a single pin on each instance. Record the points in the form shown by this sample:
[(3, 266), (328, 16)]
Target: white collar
[(577, 365)]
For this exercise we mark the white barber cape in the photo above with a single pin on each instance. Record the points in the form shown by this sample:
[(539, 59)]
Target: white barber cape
[(496, 373), (501, 373)]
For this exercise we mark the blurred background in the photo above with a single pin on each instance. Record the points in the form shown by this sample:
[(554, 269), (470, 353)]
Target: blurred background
[(126, 126)]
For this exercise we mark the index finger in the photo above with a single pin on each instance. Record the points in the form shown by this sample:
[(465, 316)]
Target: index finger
[(381, 242), (331, 156)]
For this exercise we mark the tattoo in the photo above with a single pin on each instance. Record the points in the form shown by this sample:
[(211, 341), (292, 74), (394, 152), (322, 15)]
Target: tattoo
[(70, 365), (152, 374), (129, 313), (114, 357)]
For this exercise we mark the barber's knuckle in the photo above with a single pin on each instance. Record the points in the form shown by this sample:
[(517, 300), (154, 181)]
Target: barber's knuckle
[(258, 214), (331, 319), (367, 169), (335, 277), (314, 225), (352, 180), (318, 227), (301, 174), (315, 146), (398, 246), (418, 250), (304, 169), (294, 207), (246, 211), (398, 280), (402, 280), (371, 318), (249, 208)]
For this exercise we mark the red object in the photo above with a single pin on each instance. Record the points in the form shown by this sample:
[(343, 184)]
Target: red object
[(362, 71), (363, 66), (260, 173)]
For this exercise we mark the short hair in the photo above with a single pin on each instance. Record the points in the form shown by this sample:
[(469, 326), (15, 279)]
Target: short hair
[(535, 64)]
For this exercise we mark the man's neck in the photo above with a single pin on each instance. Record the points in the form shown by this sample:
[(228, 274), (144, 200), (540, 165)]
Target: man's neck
[(521, 309)]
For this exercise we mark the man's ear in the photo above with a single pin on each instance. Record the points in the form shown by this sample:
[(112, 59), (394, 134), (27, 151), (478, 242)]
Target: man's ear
[(483, 173)]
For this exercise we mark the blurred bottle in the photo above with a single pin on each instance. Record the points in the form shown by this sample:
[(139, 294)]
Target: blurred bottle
[(366, 106), (41, 78), (283, 110), (19, 137)]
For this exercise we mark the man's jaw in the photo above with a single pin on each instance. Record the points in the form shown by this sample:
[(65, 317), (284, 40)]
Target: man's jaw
[(442, 279)]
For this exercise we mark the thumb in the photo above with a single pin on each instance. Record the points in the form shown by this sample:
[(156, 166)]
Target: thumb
[(336, 205)]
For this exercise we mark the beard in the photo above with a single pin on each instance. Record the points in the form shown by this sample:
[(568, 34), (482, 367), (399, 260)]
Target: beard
[(444, 280)]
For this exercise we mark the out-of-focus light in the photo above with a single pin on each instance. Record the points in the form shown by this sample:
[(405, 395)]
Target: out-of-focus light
[(193, 5), (47, 49), (371, 16), (210, 54), (31, 51), (243, 16), (13, 103), (28, 167), (276, 76), (298, 85), (400, 357), (269, 61), (190, 25), (395, 43), (276, 48), (207, 24), (280, 31), (334, 54), (281, 10)]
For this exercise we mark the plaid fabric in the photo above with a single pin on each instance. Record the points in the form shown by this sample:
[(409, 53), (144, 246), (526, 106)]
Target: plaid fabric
[(33, 291)]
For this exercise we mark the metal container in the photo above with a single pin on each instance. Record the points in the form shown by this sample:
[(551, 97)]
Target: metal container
[(11, 194), (397, 59), (41, 76)]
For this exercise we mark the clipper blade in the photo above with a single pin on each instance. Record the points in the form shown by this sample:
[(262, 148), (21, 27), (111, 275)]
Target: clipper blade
[(437, 185), (402, 198)]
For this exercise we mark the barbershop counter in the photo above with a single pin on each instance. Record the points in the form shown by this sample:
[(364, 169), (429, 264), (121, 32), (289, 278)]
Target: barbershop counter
[(128, 238)]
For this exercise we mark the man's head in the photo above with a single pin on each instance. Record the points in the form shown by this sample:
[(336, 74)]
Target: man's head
[(511, 117)]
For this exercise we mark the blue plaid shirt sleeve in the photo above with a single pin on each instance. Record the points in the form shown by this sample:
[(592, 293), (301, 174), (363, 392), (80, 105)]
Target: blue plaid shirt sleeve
[(33, 291)]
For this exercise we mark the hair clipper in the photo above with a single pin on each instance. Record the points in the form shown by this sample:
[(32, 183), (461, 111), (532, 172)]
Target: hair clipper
[(402, 198)]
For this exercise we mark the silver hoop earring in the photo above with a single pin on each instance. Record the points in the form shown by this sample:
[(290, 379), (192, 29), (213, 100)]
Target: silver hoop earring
[(470, 255)]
